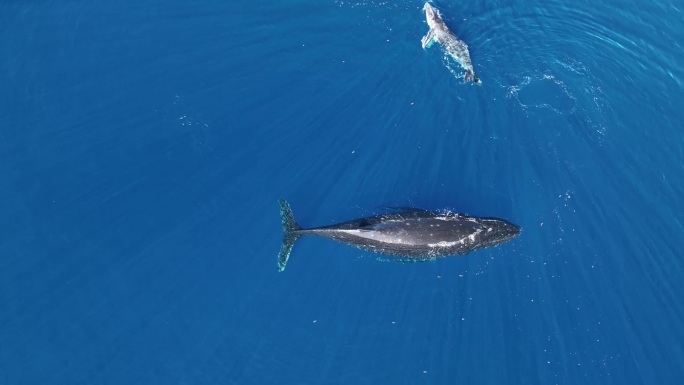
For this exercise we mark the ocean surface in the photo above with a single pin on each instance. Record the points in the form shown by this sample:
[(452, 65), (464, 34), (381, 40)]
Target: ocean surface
[(144, 146)]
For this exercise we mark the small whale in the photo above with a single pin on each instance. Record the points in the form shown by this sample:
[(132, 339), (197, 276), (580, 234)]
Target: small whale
[(454, 46), (410, 234)]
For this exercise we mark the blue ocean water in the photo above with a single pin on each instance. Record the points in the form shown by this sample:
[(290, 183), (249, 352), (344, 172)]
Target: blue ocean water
[(144, 146)]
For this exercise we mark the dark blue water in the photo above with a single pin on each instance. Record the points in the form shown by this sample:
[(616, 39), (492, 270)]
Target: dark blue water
[(144, 146)]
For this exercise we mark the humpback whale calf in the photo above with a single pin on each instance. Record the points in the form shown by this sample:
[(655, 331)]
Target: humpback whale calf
[(454, 46), (410, 234)]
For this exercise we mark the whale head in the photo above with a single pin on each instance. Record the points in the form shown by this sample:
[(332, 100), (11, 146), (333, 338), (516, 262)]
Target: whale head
[(428, 8), (431, 15), (499, 231)]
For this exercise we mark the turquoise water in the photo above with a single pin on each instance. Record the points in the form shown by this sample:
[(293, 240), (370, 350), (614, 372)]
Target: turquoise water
[(145, 145)]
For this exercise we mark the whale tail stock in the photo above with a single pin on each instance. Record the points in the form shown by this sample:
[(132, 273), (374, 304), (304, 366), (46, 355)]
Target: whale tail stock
[(470, 76), (291, 233)]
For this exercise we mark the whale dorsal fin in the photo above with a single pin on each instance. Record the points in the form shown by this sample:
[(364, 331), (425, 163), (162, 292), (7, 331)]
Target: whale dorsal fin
[(428, 39), (408, 210)]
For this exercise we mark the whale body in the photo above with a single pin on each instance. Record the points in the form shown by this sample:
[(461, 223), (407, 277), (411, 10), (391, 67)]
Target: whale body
[(410, 234), (455, 47)]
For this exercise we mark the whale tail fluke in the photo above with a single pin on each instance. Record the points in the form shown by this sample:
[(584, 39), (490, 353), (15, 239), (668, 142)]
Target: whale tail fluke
[(291, 230)]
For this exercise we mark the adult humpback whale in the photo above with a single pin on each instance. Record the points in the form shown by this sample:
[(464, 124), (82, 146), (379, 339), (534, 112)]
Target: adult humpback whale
[(414, 234), (454, 46)]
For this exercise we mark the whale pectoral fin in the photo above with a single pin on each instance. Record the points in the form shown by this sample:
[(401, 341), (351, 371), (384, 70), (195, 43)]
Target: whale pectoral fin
[(428, 39)]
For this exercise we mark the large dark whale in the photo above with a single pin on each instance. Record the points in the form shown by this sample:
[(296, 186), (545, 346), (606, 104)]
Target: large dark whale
[(455, 47), (411, 234)]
